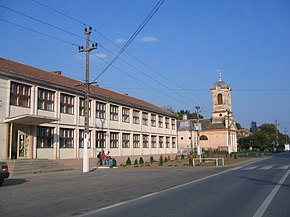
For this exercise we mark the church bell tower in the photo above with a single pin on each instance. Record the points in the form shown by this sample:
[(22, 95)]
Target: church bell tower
[(221, 101)]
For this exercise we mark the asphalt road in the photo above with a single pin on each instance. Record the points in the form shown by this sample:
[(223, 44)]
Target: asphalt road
[(257, 189)]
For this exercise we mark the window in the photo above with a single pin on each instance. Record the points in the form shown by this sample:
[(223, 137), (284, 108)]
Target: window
[(167, 123), (161, 142), (82, 139), (45, 100), (66, 138), (136, 117), (153, 120), (100, 139), (66, 104), (114, 140), (145, 118), (114, 113), (160, 121), (203, 137), (136, 141), (173, 124), (220, 99), (153, 142), (82, 107), (125, 140), (167, 142), (44, 137), (125, 115), (173, 142), (100, 110), (20, 95), (145, 141)]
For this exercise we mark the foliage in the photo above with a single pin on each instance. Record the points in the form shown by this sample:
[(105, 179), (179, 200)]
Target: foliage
[(189, 114), (168, 158), (141, 161), (151, 160), (114, 163), (263, 138), (136, 162), (161, 161), (128, 162)]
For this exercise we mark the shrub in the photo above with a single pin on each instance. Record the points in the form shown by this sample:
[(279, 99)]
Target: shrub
[(168, 158), (151, 160), (128, 162), (161, 161), (182, 156), (114, 163), (235, 156), (136, 162), (141, 161), (190, 161), (176, 157), (165, 159)]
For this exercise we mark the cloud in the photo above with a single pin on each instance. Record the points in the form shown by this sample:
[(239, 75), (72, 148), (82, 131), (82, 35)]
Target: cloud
[(148, 39), (120, 41)]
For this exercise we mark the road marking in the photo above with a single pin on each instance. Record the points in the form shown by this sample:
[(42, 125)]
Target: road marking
[(267, 201), (282, 168), (162, 191), (250, 168), (266, 167)]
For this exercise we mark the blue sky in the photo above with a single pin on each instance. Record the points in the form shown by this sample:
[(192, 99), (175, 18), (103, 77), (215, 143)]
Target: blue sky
[(180, 50)]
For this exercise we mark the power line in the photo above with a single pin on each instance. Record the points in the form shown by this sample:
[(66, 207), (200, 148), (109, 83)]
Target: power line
[(38, 32), (143, 24)]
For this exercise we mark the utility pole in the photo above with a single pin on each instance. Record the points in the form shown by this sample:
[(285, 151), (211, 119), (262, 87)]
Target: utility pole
[(229, 134), (277, 136), (88, 49), (286, 137), (197, 133)]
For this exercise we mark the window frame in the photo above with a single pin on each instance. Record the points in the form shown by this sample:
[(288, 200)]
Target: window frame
[(160, 121), (161, 141), (82, 106), (46, 140), (66, 103), (114, 113), (145, 118), (145, 141), (100, 110), (82, 139), (153, 141), (46, 98), (125, 140), (66, 135), (136, 140), (136, 118), (100, 139), (114, 140), (20, 95), (125, 115)]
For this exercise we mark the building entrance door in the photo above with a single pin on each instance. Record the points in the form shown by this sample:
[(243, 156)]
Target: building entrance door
[(19, 142)]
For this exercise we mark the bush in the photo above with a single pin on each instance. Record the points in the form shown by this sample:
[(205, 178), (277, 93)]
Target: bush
[(176, 157), (141, 161), (114, 163), (161, 161), (128, 162), (190, 161), (151, 160), (182, 156), (136, 162), (168, 158), (165, 159)]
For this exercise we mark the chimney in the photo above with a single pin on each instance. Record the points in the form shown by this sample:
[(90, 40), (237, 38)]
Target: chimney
[(184, 117), (58, 72)]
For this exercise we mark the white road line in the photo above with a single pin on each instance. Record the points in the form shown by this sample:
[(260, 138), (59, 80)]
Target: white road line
[(250, 168), (162, 191), (266, 167), (282, 168), (260, 212)]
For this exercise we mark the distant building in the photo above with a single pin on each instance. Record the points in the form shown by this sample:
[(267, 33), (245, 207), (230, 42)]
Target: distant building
[(217, 133), (42, 116)]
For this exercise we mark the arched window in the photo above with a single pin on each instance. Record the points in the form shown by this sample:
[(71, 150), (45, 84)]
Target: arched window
[(220, 99), (203, 137)]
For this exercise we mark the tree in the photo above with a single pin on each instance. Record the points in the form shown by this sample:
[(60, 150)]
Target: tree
[(253, 127)]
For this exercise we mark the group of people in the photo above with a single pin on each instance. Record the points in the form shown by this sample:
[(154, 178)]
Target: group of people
[(103, 158)]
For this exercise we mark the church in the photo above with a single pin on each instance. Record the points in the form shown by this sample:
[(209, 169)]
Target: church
[(216, 133)]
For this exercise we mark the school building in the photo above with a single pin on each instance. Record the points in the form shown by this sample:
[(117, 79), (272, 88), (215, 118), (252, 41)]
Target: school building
[(42, 117)]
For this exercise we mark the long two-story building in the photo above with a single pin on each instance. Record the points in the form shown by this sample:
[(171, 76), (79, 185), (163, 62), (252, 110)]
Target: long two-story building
[(42, 116)]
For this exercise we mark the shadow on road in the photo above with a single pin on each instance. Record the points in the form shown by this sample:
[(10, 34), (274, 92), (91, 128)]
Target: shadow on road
[(9, 182)]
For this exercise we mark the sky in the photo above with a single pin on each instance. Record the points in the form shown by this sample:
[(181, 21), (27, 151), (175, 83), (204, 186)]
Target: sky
[(175, 58)]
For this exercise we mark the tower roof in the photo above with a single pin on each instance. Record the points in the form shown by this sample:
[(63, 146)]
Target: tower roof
[(221, 84)]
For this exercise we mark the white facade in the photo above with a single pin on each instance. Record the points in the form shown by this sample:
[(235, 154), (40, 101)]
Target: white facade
[(51, 126)]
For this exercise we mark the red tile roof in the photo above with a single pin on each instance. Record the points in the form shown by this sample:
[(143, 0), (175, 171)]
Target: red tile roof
[(18, 70)]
